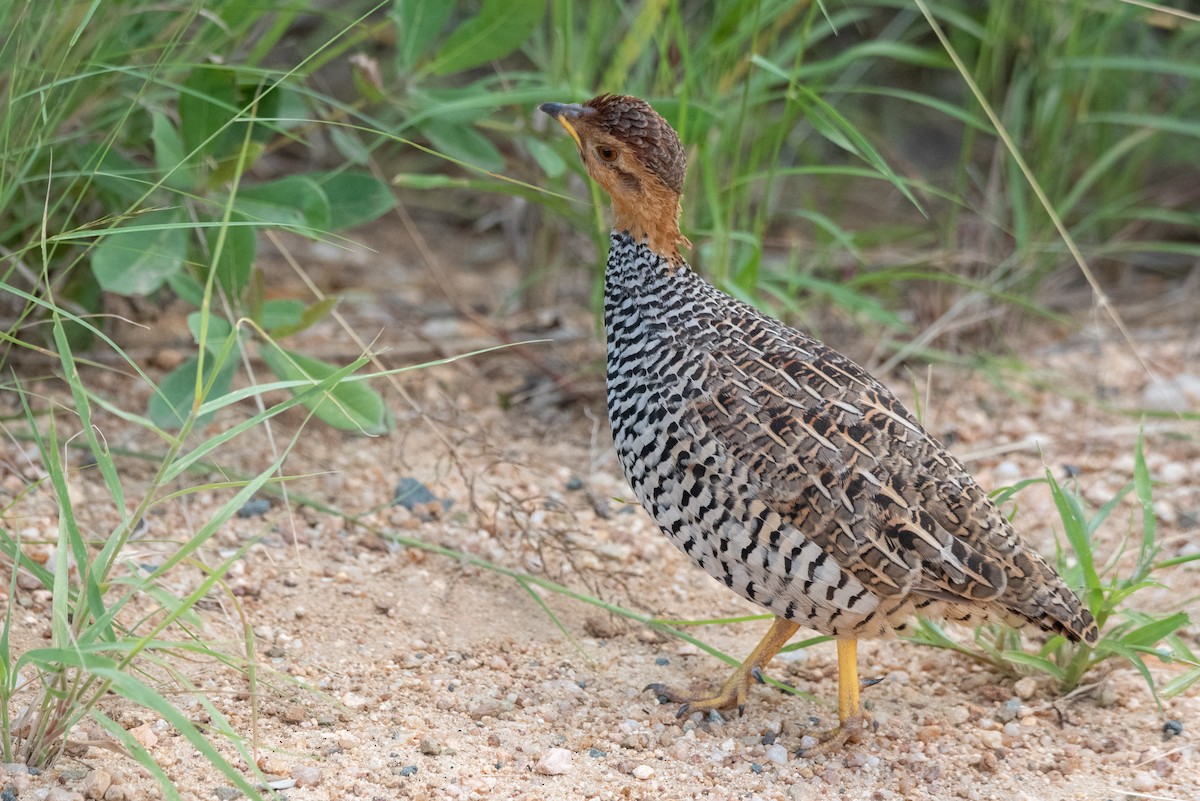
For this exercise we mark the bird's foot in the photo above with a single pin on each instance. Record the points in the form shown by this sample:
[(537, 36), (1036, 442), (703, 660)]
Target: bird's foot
[(732, 693), (850, 730)]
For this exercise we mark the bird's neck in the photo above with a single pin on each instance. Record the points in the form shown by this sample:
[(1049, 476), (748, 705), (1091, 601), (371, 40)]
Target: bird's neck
[(656, 223)]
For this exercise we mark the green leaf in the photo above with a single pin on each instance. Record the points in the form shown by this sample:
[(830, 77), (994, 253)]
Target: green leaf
[(412, 180), (546, 157), (352, 406), (349, 145), (168, 153), (354, 198), (218, 329), (207, 103), (138, 257), (171, 405), (236, 258), (1033, 661), (187, 288), (500, 27), (280, 313), (309, 317), (296, 200), (464, 143), (418, 22), (1149, 634)]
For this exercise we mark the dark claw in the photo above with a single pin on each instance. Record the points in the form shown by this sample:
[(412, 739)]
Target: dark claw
[(683, 710), (741, 710), (865, 683), (757, 673), (662, 694)]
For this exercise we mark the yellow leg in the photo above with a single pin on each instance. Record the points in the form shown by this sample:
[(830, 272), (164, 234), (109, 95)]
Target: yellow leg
[(848, 703), (852, 719), (734, 690)]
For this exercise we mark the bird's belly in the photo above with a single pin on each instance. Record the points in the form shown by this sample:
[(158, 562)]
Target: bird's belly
[(707, 507)]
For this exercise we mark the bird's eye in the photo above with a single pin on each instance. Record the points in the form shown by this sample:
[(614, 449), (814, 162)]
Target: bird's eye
[(606, 153)]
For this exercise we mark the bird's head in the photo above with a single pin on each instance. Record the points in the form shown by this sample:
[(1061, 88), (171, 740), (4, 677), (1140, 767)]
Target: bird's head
[(636, 157)]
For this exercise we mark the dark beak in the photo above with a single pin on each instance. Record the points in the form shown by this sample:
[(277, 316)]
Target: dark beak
[(565, 113), (559, 110)]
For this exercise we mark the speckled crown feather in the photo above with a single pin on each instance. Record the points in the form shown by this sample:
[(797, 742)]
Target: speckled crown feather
[(635, 122)]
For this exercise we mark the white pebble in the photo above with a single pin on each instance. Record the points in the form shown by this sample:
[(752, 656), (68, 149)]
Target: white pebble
[(1143, 782), (777, 754), (1172, 472), (957, 715), (554, 762), (991, 739), (1025, 688), (1012, 730), (1008, 470), (307, 776), (807, 742), (643, 772)]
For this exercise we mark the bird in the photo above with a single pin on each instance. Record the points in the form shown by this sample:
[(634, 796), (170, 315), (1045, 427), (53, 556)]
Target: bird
[(776, 464)]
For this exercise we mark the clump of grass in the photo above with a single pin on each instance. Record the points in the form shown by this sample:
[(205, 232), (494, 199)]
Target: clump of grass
[(1107, 588)]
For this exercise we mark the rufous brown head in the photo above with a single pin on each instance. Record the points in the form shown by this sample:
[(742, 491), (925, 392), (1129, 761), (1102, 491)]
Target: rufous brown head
[(635, 155)]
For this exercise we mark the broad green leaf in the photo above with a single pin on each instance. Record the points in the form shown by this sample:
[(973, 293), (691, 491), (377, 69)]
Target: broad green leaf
[(500, 27), (351, 406), (349, 145), (207, 103), (260, 102), (218, 329), (279, 313), (236, 257), (296, 200), (418, 23), (139, 256), (464, 143), (168, 153), (187, 288), (354, 198), (171, 405)]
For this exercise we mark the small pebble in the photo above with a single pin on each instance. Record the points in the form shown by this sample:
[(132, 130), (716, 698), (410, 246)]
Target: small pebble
[(255, 507), (662, 661), (596, 753), (408, 770), (806, 742), (554, 762), (1025, 688), (307, 776), (97, 783), (957, 715), (410, 493), (643, 772), (991, 739), (1172, 728), (778, 754), (756, 768), (574, 484), (1143, 782)]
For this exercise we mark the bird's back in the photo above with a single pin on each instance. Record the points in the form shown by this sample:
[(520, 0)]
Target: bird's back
[(788, 472)]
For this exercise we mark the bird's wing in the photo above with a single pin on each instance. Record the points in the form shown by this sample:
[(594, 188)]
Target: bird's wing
[(835, 453)]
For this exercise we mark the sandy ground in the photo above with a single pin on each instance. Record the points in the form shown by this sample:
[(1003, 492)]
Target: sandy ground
[(386, 671)]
